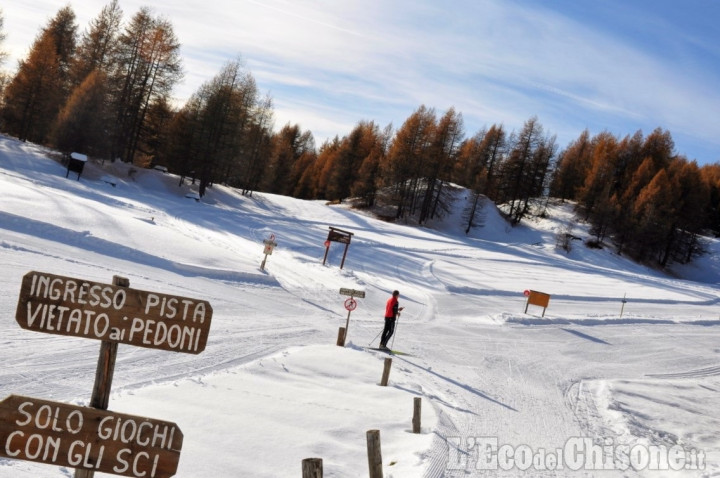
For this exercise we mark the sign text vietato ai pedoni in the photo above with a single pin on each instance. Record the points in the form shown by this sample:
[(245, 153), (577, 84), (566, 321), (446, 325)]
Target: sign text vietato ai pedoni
[(75, 307)]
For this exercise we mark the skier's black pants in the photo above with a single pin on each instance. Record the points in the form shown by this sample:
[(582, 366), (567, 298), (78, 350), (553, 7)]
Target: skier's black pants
[(387, 331)]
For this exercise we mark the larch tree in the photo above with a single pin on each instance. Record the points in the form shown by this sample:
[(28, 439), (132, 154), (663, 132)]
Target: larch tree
[(288, 145), (470, 171), (469, 167), (40, 87), (63, 29), (541, 168), (354, 150), (322, 167), (89, 118), (147, 67), (518, 171), (214, 126), (710, 174), (368, 176), (407, 155), (627, 222), (80, 125), (494, 147), (628, 160), (345, 163), (595, 194), (96, 49), (447, 135), (572, 168), (692, 197), (155, 132), (654, 211), (306, 171), (660, 147), (304, 156), (257, 148), (182, 147), (33, 95)]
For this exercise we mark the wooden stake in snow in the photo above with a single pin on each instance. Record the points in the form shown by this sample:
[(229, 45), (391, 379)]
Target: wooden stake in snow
[(341, 337), (104, 375), (374, 454), (312, 468), (386, 372), (270, 245), (417, 406), (350, 305)]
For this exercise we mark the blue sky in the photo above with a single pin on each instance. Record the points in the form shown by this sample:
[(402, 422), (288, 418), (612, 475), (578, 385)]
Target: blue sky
[(615, 65)]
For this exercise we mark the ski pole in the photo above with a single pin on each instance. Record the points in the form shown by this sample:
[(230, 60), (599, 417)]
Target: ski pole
[(397, 326), (373, 340)]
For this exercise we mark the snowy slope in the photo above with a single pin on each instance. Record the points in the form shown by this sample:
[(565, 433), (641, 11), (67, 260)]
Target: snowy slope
[(271, 388)]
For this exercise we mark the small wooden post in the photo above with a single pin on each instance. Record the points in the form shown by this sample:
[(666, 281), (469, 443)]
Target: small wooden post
[(342, 263), (386, 372), (417, 406), (104, 376), (374, 454), (312, 468), (341, 337), (327, 249), (347, 326)]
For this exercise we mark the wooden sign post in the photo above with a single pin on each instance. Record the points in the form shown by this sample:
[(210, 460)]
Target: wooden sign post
[(350, 305), (76, 164), (338, 235), (88, 439), (270, 245), (104, 373), (113, 314)]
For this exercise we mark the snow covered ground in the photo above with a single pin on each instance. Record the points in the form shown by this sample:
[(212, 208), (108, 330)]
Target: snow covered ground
[(582, 384)]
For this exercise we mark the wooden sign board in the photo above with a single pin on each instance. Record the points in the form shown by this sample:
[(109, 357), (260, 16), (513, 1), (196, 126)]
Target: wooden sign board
[(270, 245), (538, 298), (338, 235), (76, 164), (88, 439), (360, 294), (75, 307)]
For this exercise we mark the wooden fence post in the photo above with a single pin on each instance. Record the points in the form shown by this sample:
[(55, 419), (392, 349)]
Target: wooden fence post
[(374, 454), (312, 468), (341, 337), (386, 372), (103, 376), (417, 406)]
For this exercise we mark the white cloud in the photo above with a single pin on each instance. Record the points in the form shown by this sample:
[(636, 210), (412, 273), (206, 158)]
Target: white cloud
[(494, 61)]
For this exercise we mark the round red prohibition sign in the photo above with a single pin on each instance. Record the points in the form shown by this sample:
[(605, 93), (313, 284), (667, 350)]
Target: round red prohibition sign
[(526, 293), (350, 304)]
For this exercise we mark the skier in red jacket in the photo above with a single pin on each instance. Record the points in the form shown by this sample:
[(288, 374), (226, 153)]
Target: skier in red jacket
[(392, 310)]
